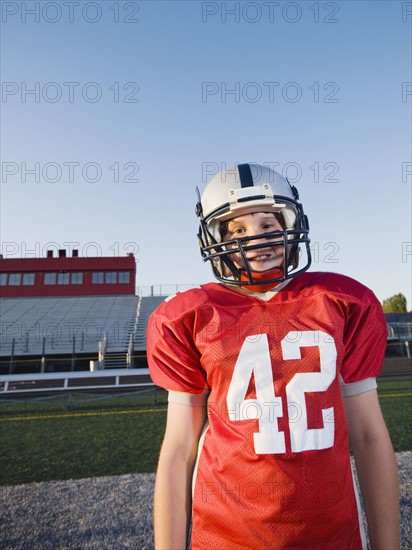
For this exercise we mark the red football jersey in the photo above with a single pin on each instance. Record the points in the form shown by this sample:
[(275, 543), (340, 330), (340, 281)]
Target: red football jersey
[(273, 468)]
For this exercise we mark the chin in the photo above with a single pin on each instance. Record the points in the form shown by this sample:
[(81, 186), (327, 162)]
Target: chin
[(262, 269)]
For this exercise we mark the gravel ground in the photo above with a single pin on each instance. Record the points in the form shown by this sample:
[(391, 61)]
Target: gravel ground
[(108, 513)]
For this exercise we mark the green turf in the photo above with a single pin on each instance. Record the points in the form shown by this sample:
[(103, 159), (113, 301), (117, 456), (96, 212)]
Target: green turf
[(395, 397), (72, 438)]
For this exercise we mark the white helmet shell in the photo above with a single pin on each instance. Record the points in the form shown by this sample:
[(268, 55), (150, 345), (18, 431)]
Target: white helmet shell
[(244, 189)]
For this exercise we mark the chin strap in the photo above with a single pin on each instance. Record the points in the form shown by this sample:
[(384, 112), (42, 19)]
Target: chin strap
[(262, 276)]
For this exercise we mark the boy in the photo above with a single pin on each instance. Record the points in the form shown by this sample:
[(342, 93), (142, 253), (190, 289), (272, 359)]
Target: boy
[(269, 373)]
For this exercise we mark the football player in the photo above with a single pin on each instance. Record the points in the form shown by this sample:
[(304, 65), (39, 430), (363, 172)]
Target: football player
[(271, 376)]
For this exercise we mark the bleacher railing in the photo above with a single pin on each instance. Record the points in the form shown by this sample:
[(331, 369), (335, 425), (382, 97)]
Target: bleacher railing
[(163, 289)]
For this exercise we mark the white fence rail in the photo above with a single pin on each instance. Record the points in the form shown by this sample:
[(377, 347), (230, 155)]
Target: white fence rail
[(116, 379)]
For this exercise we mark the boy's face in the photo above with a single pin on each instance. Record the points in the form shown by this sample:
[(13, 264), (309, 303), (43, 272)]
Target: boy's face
[(249, 225)]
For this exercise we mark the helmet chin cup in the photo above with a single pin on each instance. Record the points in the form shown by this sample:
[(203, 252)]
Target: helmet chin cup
[(246, 189), (258, 282)]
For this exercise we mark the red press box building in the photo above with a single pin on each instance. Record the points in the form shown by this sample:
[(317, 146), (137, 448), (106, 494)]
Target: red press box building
[(62, 313), (67, 276)]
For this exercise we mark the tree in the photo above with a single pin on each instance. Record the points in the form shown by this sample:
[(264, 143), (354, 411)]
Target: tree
[(395, 304)]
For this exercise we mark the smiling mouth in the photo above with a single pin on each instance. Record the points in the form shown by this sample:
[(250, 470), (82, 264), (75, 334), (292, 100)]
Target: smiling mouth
[(262, 257)]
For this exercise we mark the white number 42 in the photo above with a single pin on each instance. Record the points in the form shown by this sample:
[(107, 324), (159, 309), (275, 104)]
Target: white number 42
[(254, 360)]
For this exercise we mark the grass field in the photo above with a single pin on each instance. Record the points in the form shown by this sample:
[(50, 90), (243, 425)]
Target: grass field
[(71, 438)]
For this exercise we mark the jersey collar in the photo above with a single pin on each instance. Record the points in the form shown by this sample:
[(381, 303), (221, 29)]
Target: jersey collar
[(265, 296)]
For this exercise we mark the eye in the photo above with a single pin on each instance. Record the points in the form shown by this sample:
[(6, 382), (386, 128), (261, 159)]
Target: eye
[(238, 231), (268, 225)]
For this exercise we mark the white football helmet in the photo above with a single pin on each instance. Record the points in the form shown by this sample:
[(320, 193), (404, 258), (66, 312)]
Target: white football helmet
[(245, 189)]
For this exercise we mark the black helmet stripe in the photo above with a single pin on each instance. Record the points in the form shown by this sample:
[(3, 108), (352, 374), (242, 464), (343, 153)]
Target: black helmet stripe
[(245, 173)]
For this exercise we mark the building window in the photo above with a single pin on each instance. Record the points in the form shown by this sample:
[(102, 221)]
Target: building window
[(50, 278), (15, 279), (124, 277), (28, 279), (77, 278), (97, 278), (111, 277), (63, 278), (3, 279)]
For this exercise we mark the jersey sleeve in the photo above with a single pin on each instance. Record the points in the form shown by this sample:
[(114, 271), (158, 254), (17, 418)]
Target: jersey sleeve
[(365, 340), (174, 360)]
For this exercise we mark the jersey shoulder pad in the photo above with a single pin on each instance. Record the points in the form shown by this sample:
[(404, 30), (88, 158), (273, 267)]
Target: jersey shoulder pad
[(335, 283), (183, 302)]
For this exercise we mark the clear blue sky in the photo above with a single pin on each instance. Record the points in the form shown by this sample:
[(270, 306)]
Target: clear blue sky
[(113, 112)]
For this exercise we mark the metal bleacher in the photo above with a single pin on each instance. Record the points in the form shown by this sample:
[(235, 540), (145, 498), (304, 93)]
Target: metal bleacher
[(146, 306), (400, 331), (63, 325)]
